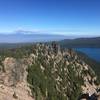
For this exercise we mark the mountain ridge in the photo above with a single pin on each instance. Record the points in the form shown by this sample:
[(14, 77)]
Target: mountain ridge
[(81, 42), (21, 36), (52, 74)]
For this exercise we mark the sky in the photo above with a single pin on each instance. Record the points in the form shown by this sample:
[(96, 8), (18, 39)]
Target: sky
[(78, 17)]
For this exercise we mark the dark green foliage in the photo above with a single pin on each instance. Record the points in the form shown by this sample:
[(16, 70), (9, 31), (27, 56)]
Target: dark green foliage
[(41, 83), (16, 52), (76, 83), (44, 84), (1, 65)]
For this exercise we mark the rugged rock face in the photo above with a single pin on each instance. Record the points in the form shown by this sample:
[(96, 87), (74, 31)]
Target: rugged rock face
[(51, 74), (59, 75), (13, 80), (14, 71)]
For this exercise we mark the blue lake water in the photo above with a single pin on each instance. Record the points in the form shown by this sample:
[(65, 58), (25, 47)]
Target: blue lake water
[(94, 53)]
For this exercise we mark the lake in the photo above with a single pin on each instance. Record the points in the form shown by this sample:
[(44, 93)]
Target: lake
[(94, 53)]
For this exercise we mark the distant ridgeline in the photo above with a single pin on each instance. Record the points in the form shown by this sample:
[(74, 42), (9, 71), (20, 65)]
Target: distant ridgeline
[(52, 73), (81, 42)]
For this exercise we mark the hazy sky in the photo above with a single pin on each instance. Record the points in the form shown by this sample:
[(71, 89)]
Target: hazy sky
[(52, 16)]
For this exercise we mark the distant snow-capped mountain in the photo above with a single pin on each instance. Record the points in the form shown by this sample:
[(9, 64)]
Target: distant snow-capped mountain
[(28, 36)]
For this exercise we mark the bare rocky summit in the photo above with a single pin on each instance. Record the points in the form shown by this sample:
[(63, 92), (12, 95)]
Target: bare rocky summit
[(47, 73)]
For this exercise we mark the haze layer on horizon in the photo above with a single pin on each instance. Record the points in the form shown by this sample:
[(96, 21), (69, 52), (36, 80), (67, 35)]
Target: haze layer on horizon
[(75, 17)]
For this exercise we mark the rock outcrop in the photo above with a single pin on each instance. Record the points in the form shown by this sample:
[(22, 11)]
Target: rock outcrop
[(68, 74), (47, 73), (13, 81)]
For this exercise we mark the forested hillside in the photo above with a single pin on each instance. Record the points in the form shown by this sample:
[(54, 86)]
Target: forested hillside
[(81, 42)]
